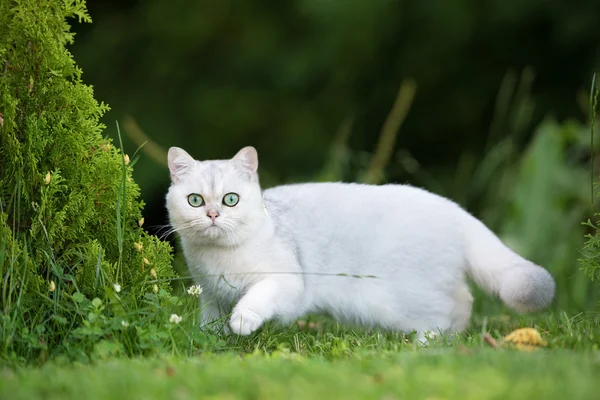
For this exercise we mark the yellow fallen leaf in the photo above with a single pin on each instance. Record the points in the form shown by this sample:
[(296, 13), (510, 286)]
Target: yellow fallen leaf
[(525, 339)]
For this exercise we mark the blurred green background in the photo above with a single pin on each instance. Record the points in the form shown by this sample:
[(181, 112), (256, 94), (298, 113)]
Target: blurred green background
[(486, 102)]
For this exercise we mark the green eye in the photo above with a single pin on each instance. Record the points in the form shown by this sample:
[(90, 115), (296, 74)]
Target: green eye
[(231, 199), (195, 200)]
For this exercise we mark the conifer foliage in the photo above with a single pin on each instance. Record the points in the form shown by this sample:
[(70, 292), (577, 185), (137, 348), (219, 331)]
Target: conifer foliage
[(70, 213)]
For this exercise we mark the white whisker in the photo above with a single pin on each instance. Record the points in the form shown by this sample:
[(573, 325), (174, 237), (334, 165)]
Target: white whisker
[(194, 224)]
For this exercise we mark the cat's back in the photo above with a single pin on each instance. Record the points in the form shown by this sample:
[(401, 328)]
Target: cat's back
[(358, 209), (337, 197)]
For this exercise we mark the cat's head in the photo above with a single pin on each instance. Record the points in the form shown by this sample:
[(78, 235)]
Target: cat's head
[(216, 202)]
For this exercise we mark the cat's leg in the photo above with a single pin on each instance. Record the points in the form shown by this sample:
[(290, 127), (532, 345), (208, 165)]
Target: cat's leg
[(266, 298), (461, 315), (435, 317), (451, 321)]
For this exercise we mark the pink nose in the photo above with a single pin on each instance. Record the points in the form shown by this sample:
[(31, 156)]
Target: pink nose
[(212, 214)]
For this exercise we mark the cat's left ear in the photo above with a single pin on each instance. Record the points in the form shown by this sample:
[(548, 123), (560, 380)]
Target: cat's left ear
[(246, 160), (179, 162)]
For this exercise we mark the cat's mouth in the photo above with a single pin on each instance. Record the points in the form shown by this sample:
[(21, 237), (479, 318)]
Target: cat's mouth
[(212, 231), (212, 228)]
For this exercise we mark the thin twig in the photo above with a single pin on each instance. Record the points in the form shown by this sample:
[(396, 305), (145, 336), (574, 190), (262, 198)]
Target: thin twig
[(340, 274), (593, 104), (155, 151), (389, 131), (487, 338)]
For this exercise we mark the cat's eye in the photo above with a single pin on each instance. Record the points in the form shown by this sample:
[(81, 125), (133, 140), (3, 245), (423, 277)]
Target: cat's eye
[(195, 200), (231, 199)]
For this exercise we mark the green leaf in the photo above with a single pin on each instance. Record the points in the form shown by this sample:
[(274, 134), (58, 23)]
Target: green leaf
[(60, 319), (78, 297)]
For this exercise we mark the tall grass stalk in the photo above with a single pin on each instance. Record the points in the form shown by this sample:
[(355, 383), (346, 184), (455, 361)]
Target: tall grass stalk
[(121, 211), (593, 105)]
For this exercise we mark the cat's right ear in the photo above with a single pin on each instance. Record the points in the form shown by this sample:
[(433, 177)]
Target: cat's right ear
[(246, 161), (179, 162)]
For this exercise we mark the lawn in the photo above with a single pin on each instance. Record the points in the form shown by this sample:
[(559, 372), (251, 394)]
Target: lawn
[(337, 363)]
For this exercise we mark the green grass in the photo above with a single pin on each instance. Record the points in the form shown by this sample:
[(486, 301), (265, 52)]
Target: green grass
[(435, 373), (339, 363)]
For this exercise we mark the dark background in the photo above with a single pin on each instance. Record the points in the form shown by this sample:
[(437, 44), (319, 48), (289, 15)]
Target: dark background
[(288, 77)]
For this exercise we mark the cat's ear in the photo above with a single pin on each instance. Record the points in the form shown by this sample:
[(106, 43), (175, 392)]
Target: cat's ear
[(246, 160), (179, 162)]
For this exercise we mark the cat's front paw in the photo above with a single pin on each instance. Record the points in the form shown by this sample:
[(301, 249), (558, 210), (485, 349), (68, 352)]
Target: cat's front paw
[(244, 322)]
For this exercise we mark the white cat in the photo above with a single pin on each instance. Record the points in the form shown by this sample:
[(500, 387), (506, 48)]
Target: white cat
[(278, 254)]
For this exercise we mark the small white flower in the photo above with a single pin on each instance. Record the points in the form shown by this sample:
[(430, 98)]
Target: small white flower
[(175, 319), (195, 290), (117, 287), (124, 324)]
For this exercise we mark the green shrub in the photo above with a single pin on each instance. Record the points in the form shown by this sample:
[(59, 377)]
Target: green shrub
[(70, 213)]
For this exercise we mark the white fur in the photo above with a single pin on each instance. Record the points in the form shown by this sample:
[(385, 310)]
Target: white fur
[(257, 265)]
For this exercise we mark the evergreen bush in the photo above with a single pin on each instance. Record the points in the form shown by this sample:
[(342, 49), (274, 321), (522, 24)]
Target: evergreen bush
[(70, 212)]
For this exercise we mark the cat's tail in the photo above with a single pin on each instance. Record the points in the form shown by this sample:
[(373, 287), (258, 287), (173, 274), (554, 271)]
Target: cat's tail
[(521, 284)]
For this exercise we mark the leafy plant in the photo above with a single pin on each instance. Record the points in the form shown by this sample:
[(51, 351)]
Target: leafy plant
[(70, 212)]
